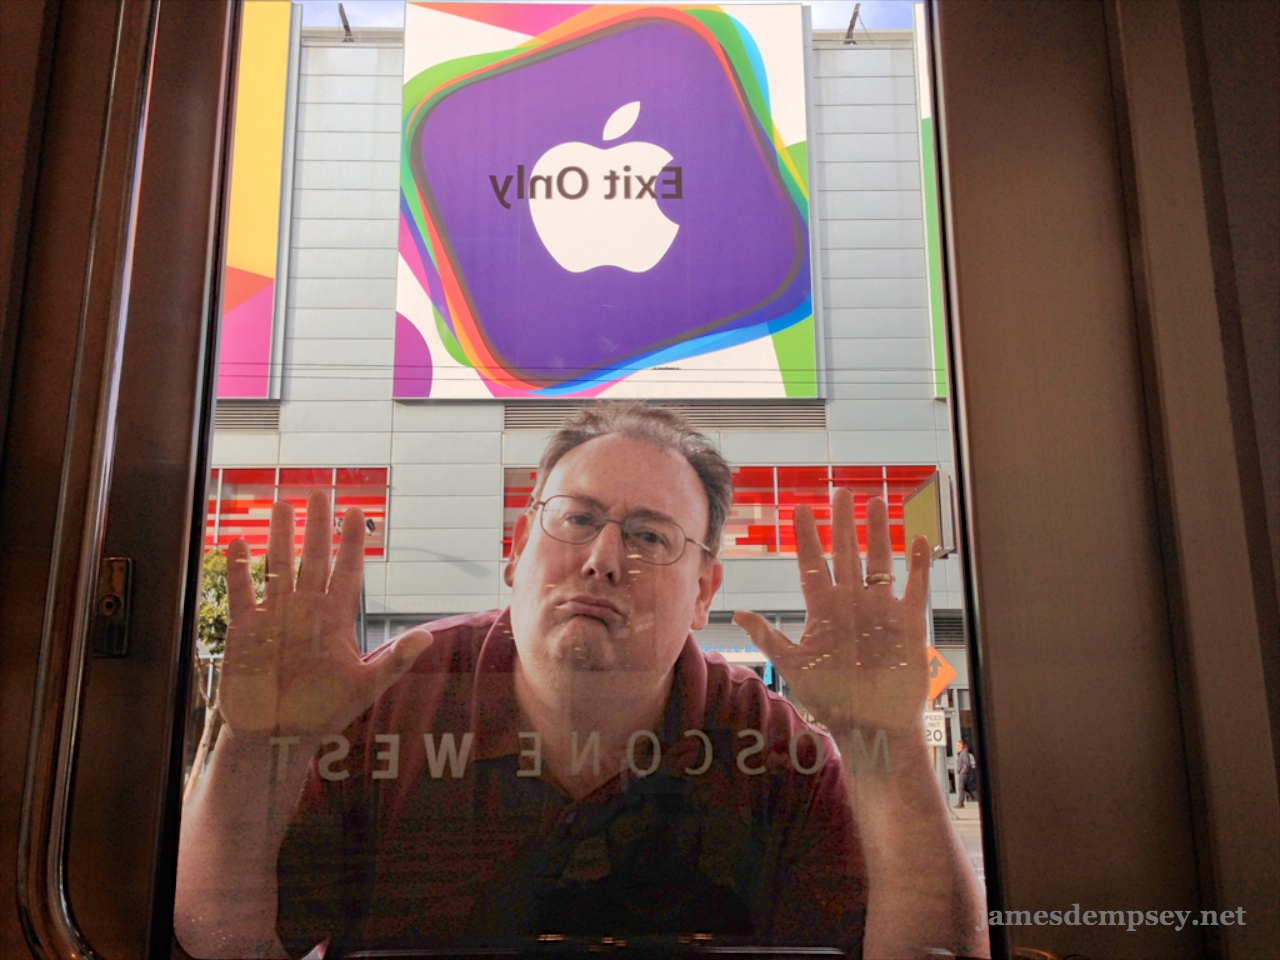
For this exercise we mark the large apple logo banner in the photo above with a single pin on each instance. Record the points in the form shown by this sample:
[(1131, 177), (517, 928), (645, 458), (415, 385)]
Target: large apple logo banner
[(602, 200)]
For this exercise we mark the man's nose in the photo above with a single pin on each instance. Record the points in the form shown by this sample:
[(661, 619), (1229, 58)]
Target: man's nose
[(607, 557)]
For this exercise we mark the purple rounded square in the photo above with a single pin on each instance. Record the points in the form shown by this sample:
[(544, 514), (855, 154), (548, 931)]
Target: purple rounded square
[(740, 257)]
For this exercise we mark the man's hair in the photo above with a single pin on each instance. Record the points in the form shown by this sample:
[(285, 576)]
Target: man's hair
[(659, 426)]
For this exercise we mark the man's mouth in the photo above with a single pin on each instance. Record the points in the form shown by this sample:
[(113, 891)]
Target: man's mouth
[(594, 607)]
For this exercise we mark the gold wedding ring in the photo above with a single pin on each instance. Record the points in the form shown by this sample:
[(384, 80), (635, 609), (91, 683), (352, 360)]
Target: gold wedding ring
[(873, 578)]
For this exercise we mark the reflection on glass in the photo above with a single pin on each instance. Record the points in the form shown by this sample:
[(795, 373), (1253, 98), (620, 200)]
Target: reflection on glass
[(573, 765), (559, 743)]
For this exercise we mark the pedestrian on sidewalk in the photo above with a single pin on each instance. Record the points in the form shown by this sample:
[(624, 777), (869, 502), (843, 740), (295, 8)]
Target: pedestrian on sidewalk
[(966, 773)]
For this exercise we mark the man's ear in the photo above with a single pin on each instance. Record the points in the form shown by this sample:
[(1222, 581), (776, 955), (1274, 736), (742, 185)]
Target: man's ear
[(710, 576), (519, 537)]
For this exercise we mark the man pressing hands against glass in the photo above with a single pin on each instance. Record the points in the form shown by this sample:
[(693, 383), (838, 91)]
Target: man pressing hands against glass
[(573, 766)]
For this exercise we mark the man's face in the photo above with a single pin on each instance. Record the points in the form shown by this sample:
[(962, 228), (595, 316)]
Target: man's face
[(589, 607)]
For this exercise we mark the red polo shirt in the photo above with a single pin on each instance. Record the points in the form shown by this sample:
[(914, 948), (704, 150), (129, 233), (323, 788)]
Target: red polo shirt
[(426, 825)]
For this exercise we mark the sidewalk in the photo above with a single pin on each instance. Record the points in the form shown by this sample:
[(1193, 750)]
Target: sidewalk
[(968, 812), (968, 828)]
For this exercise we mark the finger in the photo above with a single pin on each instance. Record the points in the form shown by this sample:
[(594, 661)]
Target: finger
[(396, 659), (317, 544), (240, 596), (879, 547), (772, 642), (917, 592), (348, 568), (846, 559), (814, 575), (280, 550)]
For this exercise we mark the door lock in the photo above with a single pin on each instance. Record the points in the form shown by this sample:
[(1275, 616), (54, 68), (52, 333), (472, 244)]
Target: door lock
[(113, 607)]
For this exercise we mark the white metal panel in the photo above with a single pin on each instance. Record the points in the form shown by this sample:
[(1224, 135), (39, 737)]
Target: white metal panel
[(424, 606), (446, 480), (366, 357), (322, 450), (732, 599), (340, 323), (870, 204), (234, 449), (859, 234), (868, 322), (870, 146), (439, 577), (446, 544), (335, 416), (864, 118), (797, 447), (328, 88), (448, 417), (867, 62), (894, 263), (338, 384), (348, 175), (347, 117), (883, 415), (909, 356), (523, 448), (870, 90), (322, 145), (314, 233), (346, 204), (355, 263), (875, 293), (352, 60), (884, 446), (375, 578), (772, 575), (453, 447), (364, 294), (881, 385), (868, 175), (459, 512)]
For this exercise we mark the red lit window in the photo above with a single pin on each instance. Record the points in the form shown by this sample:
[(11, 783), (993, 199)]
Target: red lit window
[(798, 485), (751, 529), (761, 520), (244, 507), (240, 501), (865, 482), (366, 488), (517, 490)]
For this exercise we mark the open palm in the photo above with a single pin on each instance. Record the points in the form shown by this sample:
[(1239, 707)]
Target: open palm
[(293, 666), (861, 661)]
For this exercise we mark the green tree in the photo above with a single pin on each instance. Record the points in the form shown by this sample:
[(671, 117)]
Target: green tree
[(212, 622)]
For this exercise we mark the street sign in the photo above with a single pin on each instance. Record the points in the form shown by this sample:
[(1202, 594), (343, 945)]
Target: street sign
[(941, 674), (930, 510), (935, 728)]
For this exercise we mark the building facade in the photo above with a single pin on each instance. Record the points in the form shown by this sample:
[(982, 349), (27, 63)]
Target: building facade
[(441, 481)]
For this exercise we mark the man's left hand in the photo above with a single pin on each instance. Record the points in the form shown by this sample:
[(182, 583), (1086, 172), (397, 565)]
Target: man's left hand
[(861, 662)]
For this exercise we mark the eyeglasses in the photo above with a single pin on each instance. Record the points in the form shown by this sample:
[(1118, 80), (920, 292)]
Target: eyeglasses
[(655, 540)]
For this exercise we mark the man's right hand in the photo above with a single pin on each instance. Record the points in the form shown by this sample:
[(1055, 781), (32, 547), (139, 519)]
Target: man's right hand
[(292, 668), (292, 665)]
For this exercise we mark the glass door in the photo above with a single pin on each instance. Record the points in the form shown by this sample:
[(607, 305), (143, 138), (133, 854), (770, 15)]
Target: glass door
[(1070, 629)]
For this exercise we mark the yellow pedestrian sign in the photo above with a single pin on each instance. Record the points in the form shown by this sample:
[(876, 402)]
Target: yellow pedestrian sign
[(941, 674)]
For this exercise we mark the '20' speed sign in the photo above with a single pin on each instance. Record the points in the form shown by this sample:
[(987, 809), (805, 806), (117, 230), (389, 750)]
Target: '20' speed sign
[(935, 730)]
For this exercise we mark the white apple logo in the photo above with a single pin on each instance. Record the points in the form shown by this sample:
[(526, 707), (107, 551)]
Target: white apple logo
[(592, 231)]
